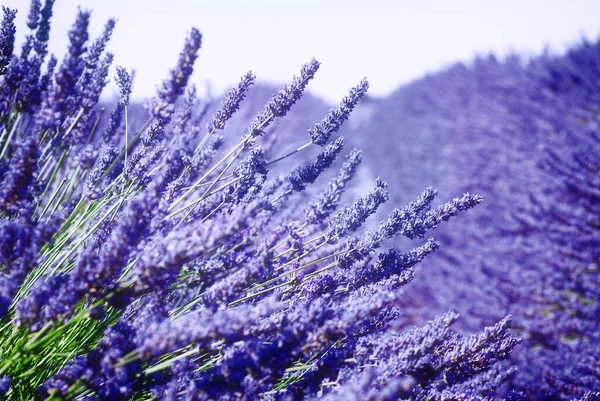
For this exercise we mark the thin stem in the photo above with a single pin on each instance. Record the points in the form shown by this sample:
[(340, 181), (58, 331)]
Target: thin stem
[(126, 137), (13, 129)]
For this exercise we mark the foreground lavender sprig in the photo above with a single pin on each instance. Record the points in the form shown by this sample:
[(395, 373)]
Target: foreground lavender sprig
[(281, 103), (328, 200), (42, 33), (321, 131), (232, 102), (61, 101), (123, 80), (173, 87)]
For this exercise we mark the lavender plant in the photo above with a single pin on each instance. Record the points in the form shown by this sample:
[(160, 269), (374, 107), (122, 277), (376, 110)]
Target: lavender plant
[(165, 263)]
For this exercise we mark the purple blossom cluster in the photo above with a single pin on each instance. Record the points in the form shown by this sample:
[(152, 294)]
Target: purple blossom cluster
[(168, 260)]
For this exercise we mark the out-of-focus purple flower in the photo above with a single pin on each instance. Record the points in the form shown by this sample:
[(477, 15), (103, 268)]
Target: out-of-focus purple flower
[(61, 101), (159, 266), (172, 88), (5, 383), (205, 326), (367, 387), (7, 38), (320, 133), (97, 47), (46, 79), (94, 82), (17, 181), (96, 271), (18, 254), (29, 309), (114, 122), (309, 174), (42, 34), (33, 17)]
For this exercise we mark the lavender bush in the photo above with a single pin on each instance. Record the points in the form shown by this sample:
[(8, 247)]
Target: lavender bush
[(167, 263)]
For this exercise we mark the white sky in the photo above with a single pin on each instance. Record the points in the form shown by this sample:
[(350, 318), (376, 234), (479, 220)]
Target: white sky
[(390, 42)]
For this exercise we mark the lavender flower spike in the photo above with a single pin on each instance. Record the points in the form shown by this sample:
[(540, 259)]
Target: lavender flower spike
[(351, 218), (308, 174), (33, 18), (326, 203), (7, 38), (281, 103), (61, 101), (123, 80), (173, 87), (320, 133), (99, 44), (231, 103), (43, 31)]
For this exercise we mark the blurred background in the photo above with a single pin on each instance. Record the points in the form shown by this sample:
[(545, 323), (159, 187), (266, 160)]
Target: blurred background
[(390, 42)]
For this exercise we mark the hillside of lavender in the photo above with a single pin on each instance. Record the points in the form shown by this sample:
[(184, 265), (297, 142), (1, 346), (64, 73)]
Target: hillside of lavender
[(525, 134), (438, 244)]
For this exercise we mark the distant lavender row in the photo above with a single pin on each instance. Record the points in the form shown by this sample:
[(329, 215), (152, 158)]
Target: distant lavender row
[(167, 262), (527, 136)]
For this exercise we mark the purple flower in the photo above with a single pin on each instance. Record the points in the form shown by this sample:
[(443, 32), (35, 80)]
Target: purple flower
[(252, 173), (317, 211), (5, 383), (114, 122), (101, 370), (351, 218), (19, 178), (33, 17), (42, 34), (46, 79), (393, 263), (322, 130), (203, 327), (173, 87), (309, 174), (96, 271), (98, 82), (411, 221), (7, 38), (97, 47), (123, 80), (281, 103), (158, 267), (93, 188), (231, 103), (368, 387), (29, 310), (61, 101)]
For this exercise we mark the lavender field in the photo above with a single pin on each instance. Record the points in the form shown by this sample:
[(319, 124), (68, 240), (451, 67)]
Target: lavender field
[(440, 243)]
